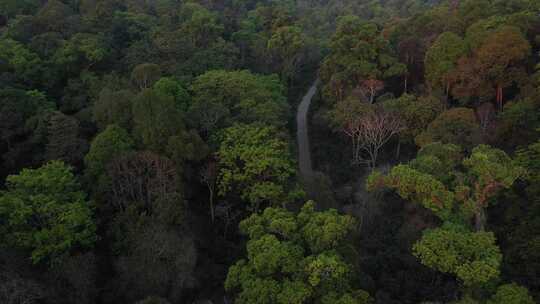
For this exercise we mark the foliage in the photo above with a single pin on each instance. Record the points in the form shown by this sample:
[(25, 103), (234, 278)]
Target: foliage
[(472, 256), (45, 211), (295, 259), (109, 144), (455, 126), (256, 164), (156, 118), (247, 97), (511, 293)]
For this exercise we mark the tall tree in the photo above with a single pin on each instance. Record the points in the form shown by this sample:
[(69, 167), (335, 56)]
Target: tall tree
[(287, 44), (441, 60), (358, 53), (156, 118), (498, 56), (63, 140)]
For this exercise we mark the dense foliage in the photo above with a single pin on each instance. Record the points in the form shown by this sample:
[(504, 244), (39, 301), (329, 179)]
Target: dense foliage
[(147, 152)]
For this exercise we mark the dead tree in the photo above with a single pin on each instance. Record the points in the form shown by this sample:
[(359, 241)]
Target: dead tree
[(145, 178), (370, 132), (208, 177), (486, 115)]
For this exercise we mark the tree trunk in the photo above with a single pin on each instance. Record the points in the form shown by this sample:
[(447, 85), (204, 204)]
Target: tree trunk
[(405, 87), (480, 219), (500, 97), (212, 211), (398, 150)]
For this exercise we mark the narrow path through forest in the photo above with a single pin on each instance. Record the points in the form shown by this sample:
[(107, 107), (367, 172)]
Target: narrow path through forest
[(304, 152)]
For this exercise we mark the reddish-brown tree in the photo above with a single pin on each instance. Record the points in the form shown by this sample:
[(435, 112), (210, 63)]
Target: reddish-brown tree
[(498, 57), (370, 88)]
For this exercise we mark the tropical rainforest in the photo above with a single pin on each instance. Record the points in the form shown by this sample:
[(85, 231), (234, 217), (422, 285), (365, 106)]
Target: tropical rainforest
[(149, 151)]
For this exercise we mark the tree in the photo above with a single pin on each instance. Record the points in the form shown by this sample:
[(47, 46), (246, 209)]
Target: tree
[(81, 51), (255, 163), (511, 294), (498, 56), (110, 108), (46, 213), (147, 182), (156, 118), (434, 180), (158, 259), (287, 44), (493, 65), (248, 97), (457, 190), (441, 59), (20, 112), (471, 256), (491, 170), (53, 16), (170, 87), (295, 259), (416, 113), (63, 141), (358, 53), (371, 87), (369, 127), (20, 60), (208, 176), (201, 25), (113, 142), (456, 126), (145, 75), (486, 116)]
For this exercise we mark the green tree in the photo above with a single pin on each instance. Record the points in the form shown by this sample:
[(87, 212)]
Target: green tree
[(295, 258), (248, 97), (416, 113), (441, 59), (287, 44), (171, 87), (45, 211), (82, 51), (473, 257), (156, 118), (455, 126), (456, 189), (511, 294), (358, 53), (201, 25), (256, 164), (23, 62), (107, 145), (110, 108)]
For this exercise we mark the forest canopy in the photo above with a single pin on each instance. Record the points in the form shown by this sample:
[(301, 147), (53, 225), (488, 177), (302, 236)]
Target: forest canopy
[(149, 151)]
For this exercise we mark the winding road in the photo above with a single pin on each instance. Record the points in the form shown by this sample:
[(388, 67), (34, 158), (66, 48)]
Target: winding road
[(304, 152)]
